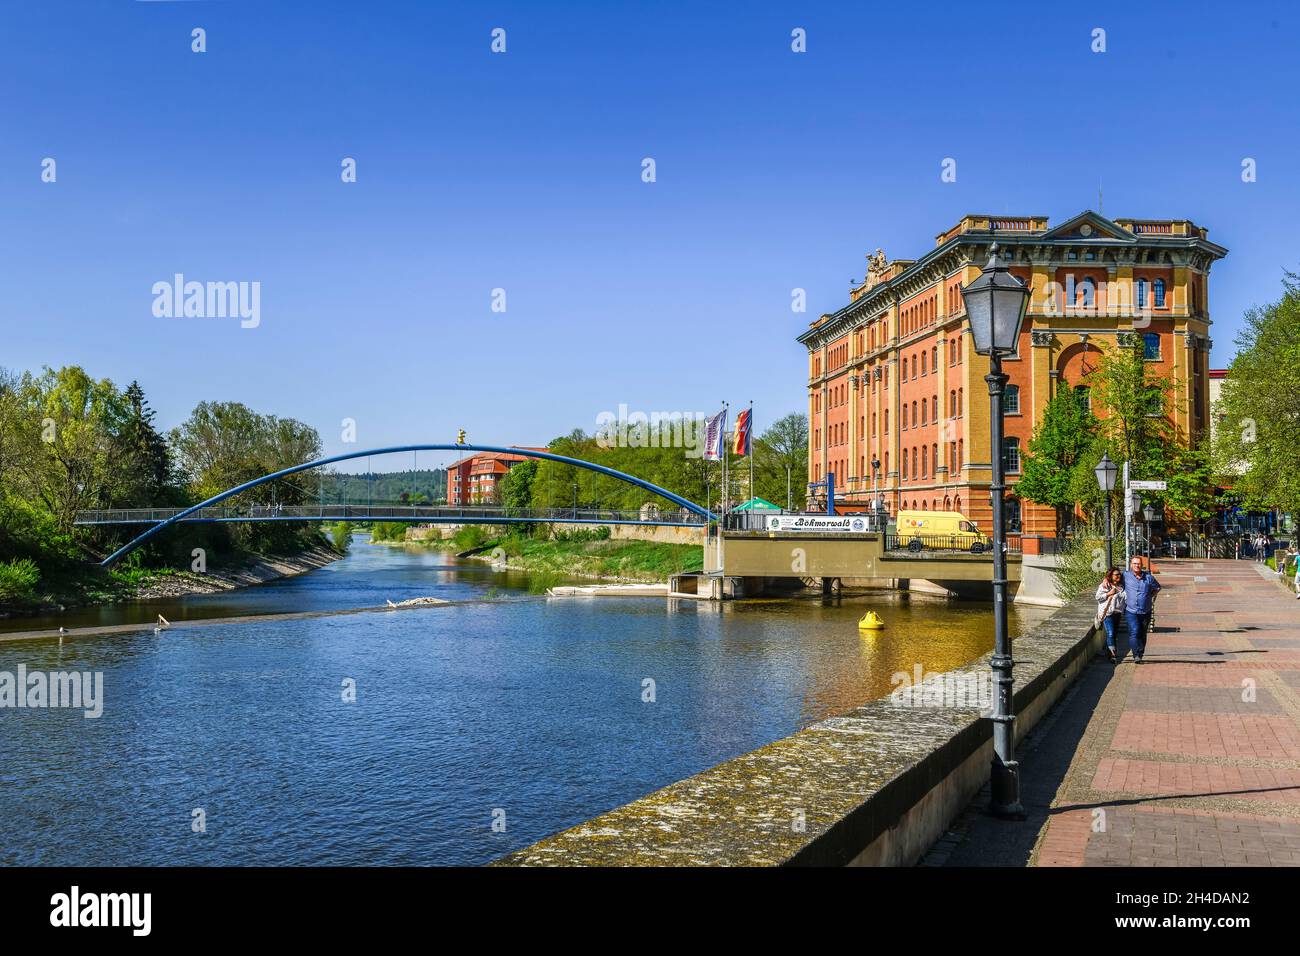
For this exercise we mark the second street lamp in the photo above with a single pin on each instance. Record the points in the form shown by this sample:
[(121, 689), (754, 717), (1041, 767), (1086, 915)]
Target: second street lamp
[(995, 305), (1106, 472)]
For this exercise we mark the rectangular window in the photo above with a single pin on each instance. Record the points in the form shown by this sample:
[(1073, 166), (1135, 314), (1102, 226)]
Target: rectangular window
[(1011, 400), (1011, 455)]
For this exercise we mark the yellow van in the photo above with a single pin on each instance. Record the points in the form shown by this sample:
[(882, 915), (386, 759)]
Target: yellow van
[(942, 530)]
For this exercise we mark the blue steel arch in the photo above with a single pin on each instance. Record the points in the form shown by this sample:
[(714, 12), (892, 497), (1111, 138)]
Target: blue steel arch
[(308, 465)]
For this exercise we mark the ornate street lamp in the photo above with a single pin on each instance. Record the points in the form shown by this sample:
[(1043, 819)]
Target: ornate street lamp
[(1106, 472), (995, 305)]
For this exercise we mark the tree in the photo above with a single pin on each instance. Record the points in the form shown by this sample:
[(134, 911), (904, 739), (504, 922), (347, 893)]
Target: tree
[(781, 457), (516, 487), (1256, 451), (1136, 427), (145, 455), (1133, 400), (67, 431), (1062, 442)]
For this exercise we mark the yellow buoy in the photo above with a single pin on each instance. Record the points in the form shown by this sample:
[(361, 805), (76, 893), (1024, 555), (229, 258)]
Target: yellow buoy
[(871, 621)]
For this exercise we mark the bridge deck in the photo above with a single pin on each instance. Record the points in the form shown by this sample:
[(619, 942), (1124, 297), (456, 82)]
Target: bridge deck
[(421, 514)]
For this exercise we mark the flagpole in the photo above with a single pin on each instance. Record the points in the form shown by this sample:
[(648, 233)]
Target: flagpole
[(749, 444)]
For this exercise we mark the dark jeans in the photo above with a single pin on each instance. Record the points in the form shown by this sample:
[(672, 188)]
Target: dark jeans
[(1137, 625)]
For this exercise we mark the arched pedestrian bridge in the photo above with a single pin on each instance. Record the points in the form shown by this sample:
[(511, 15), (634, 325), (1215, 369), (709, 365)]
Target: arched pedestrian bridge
[(213, 509)]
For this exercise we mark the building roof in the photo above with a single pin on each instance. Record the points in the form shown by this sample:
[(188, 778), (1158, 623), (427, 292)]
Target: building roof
[(891, 280), (495, 456)]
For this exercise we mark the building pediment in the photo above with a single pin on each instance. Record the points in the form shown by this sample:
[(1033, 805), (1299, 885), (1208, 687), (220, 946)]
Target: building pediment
[(1088, 226)]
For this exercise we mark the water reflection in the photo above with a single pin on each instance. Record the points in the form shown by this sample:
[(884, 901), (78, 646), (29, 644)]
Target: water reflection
[(529, 705)]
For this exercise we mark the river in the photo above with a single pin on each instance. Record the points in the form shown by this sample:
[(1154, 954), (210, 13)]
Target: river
[(476, 729)]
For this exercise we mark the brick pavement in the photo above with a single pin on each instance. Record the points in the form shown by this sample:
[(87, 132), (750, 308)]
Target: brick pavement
[(1190, 759)]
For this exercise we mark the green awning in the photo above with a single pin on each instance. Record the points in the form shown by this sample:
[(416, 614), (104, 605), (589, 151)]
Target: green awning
[(756, 504)]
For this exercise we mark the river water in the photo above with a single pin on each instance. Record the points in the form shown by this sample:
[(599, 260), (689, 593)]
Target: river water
[(516, 710)]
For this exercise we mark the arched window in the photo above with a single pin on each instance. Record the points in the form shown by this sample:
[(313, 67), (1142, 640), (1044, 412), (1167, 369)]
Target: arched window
[(922, 363), (934, 457), (1159, 287), (886, 421), (924, 414), (934, 357), (905, 464), (1151, 346), (952, 403), (1142, 293), (925, 461), (914, 414), (914, 471), (960, 403), (1011, 400), (1087, 293), (1083, 394), (956, 503)]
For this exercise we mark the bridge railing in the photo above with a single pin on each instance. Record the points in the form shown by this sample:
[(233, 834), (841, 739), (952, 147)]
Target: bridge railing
[(916, 543), (384, 512)]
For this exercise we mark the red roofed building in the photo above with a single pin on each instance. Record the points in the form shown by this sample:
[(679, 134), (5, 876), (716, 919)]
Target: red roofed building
[(474, 480)]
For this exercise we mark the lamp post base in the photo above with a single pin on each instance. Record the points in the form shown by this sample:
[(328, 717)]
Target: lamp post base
[(1004, 784)]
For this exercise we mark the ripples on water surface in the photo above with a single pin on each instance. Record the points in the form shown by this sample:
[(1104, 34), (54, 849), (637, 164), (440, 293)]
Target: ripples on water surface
[(522, 704)]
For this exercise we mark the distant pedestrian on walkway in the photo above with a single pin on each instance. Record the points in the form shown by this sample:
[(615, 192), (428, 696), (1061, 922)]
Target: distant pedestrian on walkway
[(1140, 590), (1295, 556), (1110, 606)]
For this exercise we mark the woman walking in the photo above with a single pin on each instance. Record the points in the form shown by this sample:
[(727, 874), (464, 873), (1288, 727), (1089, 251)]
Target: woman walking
[(1110, 607)]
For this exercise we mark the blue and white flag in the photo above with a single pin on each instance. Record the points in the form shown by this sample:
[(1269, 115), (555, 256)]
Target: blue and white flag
[(715, 430)]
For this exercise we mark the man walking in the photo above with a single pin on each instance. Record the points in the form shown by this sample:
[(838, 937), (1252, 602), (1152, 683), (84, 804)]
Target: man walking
[(1140, 589)]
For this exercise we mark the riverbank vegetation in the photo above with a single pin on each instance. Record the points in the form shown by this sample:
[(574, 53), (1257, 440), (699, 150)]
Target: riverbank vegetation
[(72, 443)]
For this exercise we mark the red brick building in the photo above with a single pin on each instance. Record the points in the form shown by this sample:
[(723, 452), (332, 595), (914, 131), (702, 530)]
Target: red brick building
[(892, 377), (475, 480)]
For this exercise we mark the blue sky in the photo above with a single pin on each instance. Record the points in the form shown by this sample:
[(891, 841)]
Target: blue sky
[(522, 171)]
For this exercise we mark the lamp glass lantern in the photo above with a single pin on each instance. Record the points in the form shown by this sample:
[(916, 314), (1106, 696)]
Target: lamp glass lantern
[(1106, 472), (996, 303)]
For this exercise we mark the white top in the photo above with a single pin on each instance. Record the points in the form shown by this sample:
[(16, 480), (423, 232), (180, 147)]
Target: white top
[(1110, 602)]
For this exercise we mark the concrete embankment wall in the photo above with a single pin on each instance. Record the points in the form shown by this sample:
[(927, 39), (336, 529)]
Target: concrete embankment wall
[(665, 534), (619, 532), (876, 786)]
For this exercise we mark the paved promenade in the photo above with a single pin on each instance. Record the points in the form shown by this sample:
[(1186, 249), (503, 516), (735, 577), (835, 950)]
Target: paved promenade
[(1191, 758)]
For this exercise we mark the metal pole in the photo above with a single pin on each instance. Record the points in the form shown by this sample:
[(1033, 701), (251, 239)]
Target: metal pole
[(1005, 774), (789, 496), (1110, 560)]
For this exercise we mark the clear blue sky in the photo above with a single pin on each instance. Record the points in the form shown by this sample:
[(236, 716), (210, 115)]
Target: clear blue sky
[(523, 171)]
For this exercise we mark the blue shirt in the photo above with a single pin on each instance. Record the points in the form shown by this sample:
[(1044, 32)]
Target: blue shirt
[(1138, 591)]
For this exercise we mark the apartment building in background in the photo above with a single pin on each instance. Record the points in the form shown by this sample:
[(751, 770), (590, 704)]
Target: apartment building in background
[(476, 480)]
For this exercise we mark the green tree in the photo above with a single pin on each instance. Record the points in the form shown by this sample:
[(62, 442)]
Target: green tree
[(67, 433), (145, 456), (1256, 451), (781, 459), (1060, 448), (517, 486)]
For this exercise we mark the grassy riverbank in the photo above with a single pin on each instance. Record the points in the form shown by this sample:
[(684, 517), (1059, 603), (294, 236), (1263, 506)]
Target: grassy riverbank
[(581, 554)]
